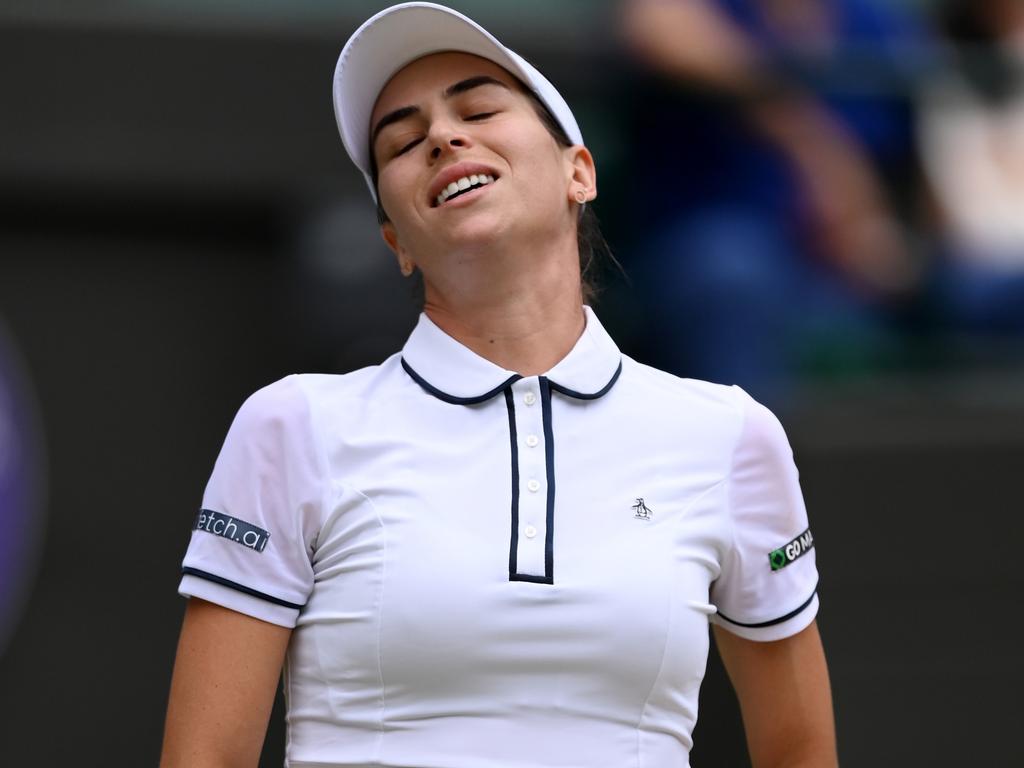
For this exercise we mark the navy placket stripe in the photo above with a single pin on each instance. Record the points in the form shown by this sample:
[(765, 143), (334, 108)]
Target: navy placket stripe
[(513, 438), (549, 466)]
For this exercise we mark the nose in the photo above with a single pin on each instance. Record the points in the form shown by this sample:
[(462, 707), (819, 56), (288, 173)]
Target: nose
[(438, 150), (444, 138)]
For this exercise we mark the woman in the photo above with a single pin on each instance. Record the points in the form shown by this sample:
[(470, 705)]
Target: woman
[(504, 545)]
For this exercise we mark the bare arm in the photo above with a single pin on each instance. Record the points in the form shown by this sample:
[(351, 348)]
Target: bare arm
[(225, 676), (692, 41), (785, 698), (695, 42)]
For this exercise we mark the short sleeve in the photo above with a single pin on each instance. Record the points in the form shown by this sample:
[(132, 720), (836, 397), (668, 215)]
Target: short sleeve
[(767, 588), (253, 538)]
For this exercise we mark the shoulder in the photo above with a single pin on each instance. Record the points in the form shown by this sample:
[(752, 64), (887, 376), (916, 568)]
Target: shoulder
[(762, 439), (662, 384), (725, 416), (295, 396), (721, 405), (287, 425), (290, 409)]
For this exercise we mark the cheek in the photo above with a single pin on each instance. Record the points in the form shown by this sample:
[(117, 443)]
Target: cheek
[(544, 166), (392, 186), (546, 180)]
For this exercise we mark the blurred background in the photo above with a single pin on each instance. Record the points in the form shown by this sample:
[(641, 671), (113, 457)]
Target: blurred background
[(820, 200)]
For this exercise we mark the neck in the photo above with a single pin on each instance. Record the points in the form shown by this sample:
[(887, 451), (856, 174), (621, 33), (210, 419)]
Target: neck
[(525, 314)]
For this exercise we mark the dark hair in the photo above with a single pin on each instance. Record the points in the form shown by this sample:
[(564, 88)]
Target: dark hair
[(593, 248)]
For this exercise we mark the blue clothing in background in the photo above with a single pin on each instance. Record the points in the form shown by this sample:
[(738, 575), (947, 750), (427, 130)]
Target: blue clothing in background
[(738, 290)]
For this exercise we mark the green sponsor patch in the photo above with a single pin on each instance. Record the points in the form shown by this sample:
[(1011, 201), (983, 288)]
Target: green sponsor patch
[(786, 554)]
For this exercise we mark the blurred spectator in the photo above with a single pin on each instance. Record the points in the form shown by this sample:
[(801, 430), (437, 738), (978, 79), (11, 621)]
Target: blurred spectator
[(972, 148), (762, 151)]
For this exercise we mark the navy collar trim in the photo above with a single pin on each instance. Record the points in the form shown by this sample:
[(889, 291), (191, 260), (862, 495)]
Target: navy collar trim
[(454, 400), (593, 395), (455, 374), (440, 395)]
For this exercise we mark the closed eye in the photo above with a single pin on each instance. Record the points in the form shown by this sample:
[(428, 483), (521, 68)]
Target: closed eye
[(481, 116), (408, 146)]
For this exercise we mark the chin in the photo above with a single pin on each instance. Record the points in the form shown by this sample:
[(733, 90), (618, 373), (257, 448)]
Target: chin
[(478, 231)]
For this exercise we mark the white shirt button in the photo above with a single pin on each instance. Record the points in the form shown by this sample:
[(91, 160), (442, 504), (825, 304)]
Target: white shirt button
[(532, 441), (529, 398), (533, 485), (530, 531)]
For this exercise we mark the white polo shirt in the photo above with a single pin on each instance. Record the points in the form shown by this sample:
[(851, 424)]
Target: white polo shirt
[(488, 570)]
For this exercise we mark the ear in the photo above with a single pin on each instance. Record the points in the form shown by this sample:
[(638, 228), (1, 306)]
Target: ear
[(390, 236), (583, 174)]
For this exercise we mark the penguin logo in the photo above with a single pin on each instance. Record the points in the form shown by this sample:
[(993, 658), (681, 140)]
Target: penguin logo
[(641, 510)]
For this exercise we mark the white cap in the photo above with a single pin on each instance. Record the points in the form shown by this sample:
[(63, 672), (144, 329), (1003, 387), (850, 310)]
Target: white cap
[(401, 34)]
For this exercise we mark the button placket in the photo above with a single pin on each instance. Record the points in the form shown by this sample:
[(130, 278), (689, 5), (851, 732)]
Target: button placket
[(530, 544)]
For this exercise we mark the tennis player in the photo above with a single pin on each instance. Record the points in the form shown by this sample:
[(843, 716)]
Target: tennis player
[(505, 545)]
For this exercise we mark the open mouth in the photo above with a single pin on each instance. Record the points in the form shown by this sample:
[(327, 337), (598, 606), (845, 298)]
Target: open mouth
[(462, 186)]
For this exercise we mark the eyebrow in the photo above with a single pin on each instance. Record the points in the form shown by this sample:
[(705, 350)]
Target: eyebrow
[(470, 83), (452, 90)]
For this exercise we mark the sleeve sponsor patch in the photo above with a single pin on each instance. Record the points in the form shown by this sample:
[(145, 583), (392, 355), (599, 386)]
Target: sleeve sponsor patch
[(232, 529), (786, 554)]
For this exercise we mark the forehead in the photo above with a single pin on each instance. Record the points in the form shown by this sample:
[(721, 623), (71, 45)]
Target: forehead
[(428, 76)]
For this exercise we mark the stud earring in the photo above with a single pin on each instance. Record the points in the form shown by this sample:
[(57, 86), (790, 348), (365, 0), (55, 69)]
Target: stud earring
[(581, 196), (406, 268)]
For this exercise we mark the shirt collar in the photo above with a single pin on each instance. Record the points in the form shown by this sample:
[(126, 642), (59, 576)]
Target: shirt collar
[(456, 374)]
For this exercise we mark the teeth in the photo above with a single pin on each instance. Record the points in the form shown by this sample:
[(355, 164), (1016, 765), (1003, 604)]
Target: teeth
[(463, 184)]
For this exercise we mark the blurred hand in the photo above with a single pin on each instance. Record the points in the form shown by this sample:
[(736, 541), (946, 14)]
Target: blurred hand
[(850, 219)]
